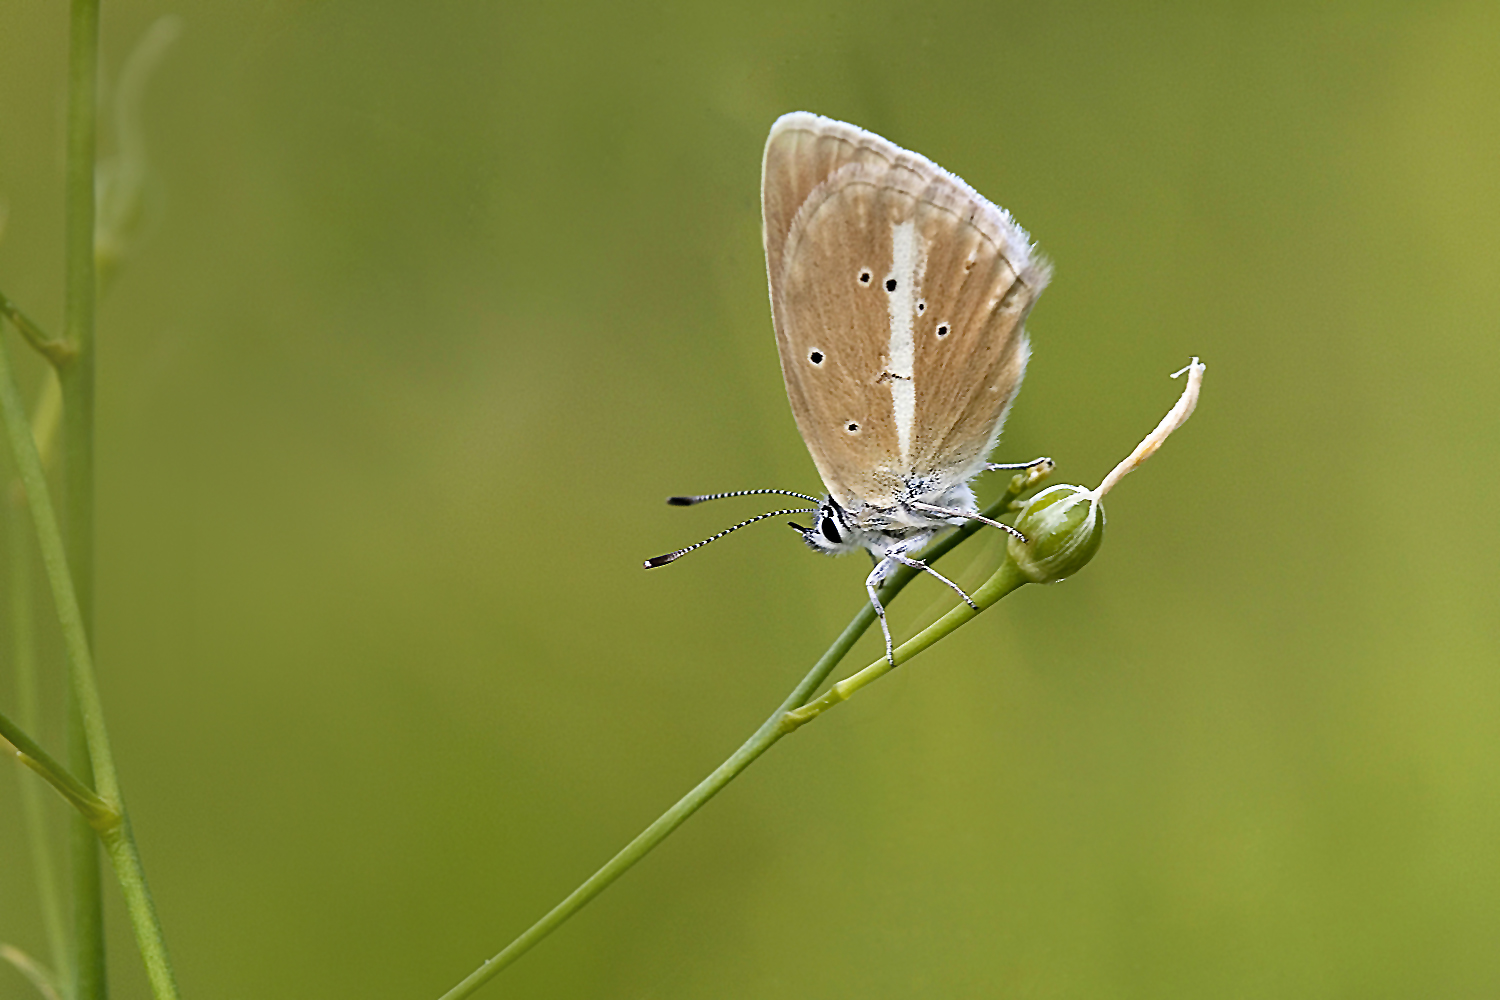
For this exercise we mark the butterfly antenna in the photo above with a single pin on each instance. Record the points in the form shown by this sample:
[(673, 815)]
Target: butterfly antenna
[(689, 501), (672, 556)]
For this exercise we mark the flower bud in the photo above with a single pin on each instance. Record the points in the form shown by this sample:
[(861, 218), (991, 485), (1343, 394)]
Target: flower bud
[(1063, 526)]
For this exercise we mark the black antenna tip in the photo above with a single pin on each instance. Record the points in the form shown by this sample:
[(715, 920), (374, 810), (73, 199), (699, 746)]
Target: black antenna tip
[(656, 561), (682, 501)]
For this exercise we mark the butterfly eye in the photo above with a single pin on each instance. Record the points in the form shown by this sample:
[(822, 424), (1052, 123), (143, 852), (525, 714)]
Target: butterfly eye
[(851, 427), (865, 276), (921, 306), (890, 284), (942, 330), (830, 529), (816, 357)]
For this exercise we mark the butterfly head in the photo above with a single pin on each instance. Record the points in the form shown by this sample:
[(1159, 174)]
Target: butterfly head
[(832, 532)]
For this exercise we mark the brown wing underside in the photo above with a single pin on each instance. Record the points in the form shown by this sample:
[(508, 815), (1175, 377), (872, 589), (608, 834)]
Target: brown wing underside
[(831, 197)]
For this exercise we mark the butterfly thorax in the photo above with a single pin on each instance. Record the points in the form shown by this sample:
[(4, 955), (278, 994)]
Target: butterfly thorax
[(882, 529)]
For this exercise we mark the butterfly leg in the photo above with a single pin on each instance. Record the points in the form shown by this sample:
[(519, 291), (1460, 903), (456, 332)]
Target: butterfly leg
[(1035, 463), (969, 514), (919, 564), (871, 582)]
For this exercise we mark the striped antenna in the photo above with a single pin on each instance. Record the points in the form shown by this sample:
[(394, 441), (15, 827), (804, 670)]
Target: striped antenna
[(672, 556), (689, 501)]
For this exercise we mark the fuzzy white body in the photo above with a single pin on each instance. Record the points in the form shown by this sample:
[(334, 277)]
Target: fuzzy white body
[(890, 536)]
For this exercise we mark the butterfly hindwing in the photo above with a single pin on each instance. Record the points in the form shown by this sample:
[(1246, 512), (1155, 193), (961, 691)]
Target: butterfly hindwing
[(970, 342)]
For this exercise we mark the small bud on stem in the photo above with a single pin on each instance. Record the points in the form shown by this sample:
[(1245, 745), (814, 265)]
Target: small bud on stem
[(1064, 525)]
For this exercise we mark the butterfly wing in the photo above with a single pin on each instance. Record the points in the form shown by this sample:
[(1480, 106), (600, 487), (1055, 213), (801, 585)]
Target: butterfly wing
[(898, 295)]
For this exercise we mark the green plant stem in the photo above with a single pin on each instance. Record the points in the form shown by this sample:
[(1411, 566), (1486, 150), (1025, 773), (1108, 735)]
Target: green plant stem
[(99, 813), (117, 838), (769, 732), (23, 655), (59, 352), (89, 980), (125, 859), (88, 974), (773, 729), (1005, 580), (44, 979)]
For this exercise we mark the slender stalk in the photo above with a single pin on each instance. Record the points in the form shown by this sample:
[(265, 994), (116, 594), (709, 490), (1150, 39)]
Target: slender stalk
[(23, 654), (123, 177), (117, 838), (125, 858), (58, 352), (773, 729), (769, 732), (1006, 579), (99, 813), (44, 979), (77, 376), (88, 978), (1175, 418)]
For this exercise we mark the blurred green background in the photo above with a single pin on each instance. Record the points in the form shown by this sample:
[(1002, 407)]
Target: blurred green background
[(434, 303)]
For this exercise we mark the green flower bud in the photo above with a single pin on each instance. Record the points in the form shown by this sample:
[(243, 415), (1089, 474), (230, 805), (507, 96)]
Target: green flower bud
[(1063, 526)]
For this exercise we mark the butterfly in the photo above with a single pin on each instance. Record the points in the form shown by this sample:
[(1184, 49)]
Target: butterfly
[(899, 297)]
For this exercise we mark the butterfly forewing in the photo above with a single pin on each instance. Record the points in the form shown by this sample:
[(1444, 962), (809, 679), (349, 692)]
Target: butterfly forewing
[(835, 369), (898, 296)]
